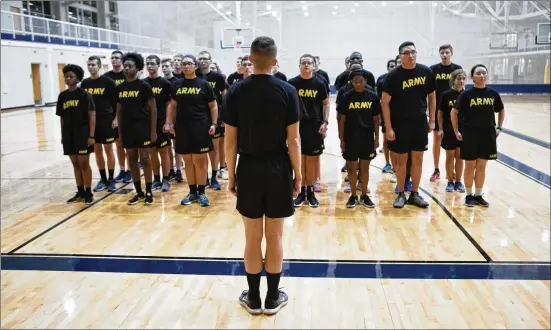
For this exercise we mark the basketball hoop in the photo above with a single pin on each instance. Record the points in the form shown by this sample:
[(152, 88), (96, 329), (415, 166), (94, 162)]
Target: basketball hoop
[(237, 42)]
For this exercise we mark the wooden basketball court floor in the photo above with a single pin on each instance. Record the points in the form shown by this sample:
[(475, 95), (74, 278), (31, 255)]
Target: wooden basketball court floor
[(111, 265)]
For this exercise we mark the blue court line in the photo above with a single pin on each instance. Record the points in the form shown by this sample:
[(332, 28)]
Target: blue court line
[(524, 169), (527, 138), (459, 271)]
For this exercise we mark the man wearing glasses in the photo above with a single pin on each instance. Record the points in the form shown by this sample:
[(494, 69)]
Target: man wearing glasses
[(313, 125), (404, 104)]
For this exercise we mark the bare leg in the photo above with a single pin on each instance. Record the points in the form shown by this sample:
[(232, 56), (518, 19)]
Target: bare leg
[(450, 159), (146, 163), (201, 163), (353, 176), (400, 169), (190, 169), (416, 169), (364, 174), (459, 164)]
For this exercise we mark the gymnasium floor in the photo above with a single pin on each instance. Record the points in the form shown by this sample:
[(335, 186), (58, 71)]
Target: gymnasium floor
[(111, 265)]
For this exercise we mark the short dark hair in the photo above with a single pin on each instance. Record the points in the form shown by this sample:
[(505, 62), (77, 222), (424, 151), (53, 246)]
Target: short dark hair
[(265, 51), (166, 59), (390, 61), (397, 57), (155, 57), (134, 57), (405, 44), (76, 69), (190, 56), (347, 59), (117, 52), (205, 52), (245, 58), (478, 66), (178, 55), (358, 66), (445, 46), (240, 58), (95, 58), (307, 55)]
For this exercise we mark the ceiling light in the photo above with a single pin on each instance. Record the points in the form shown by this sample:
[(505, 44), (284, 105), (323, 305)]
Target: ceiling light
[(356, 4), (247, 24), (228, 12), (306, 14), (219, 5), (303, 2), (268, 7), (411, 2), (334, 13), (304, 7), (335, 7), (353, 10), (383, 4), (279, 19), (274, 13), (434, 4)]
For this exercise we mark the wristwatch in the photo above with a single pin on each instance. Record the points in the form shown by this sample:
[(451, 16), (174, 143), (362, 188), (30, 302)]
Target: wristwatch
[(214, 124), (499, 128)]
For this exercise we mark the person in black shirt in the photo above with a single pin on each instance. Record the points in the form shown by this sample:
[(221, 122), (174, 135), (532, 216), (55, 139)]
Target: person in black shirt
[(360, 110), (137, 115), (262, 124), (442, 75), (390, 65), (166, 67), (404, 104), (313, 126), (342, 79), (277, 74), (161, 90), (117, 75), (476, 108), (238, 75), (247, 66), (102, 90), (177, 59), (322, 74), (175, 173), (449, 140), (76, 110), (192, 117), (218, 84), (325, 78)]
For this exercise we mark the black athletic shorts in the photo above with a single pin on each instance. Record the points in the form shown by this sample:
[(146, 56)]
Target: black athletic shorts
[(220, 132), (193, 137), (479, 142), (136, 134), (105, 133), (449, 141), (265, 186), (359, 145), (75, 141), (310, 139), (411, 134), (163, 140)]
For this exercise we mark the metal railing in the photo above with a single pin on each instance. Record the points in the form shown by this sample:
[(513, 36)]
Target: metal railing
[(39, 29)]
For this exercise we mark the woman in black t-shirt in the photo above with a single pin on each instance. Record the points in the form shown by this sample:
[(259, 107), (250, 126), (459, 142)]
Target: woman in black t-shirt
[(476, 109), (78, 124), (446, 133)]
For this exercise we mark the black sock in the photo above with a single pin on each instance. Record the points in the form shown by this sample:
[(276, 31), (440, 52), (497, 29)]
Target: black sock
[(148, 187), (437, 170), (138, 187), (88, 191), (303, 189), (273, 285), (165, 177), (171, 172), (103, 175), (111, 174), (201, 188), (193, 189), (254, 285), (80, 191), (157, 177), (213, 177), (408, 177), (309, 190)]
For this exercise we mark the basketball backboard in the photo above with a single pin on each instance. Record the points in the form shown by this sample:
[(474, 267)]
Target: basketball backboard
[(543, 34), (504, 40), (236, 38)]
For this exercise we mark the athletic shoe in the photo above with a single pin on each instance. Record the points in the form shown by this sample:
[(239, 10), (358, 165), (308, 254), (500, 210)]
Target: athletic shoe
[(165, 186), (387, 168), (381, 150), (317, 186), (100, 186), (352, 202), (156, 185), (189, 199), (140, 165), (215, 185), (470, 201), (417, 200), (171, 175), (299, 201), (344, 169), (88, 200), (459, 187), (347, 188), (128, 177), (148, 198), (179, 177), (450, 187), (366, 201), (137, 198), (393, 178), (272, 306), (120, 177), (222, 174), (481, 201), (111, 186), (252, 306), (346, 178), (203, 200), (408, 186), (75, 198), (312, 201), (400, 201), (435, 176)]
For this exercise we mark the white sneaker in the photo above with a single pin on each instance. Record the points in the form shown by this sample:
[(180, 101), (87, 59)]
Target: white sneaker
[(347, 188), (393, 178)]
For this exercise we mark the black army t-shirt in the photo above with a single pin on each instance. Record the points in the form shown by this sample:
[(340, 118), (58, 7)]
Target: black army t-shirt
[(73, 107), (133, 97), (442, 75), (359, 109), (117, 77), (447, 102), (312, 92), (409, 89), (261, 108), (172, 79), (161, 91), (280, 76), (234, 77), (192, 98), (379, 84), (103, 92), (477, 107)]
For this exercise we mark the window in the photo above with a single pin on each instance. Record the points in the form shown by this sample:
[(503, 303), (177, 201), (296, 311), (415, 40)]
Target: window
[(37, 8), (112, 6), (114, 23), (90, 3), (82, 16)]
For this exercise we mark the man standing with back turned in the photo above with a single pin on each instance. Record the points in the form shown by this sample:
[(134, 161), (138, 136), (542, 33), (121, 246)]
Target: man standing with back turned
[(262, 117)]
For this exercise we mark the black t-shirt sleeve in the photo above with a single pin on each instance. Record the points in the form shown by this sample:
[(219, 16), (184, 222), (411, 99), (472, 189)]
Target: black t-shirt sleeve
[(341, 103), (90, 105), (111, 91), (442, 104), (147, 91), (324, 93), (376, 109), (389, 85), (167, 90), (229, 115), (431, 78), (461, 99), (209, 93), (221, 82), (294, 107), (371, 80), (59, 105), (498, 103)]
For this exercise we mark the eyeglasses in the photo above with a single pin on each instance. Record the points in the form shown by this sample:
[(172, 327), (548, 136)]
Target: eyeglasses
[(410, 53), (187, 63), (203, 59), (115, 58), (306, 63)]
